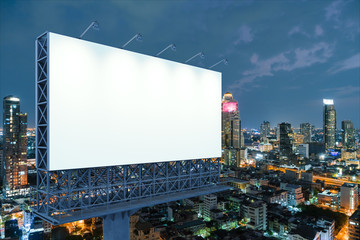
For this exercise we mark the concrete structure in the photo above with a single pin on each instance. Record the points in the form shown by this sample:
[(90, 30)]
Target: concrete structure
[(329, 123), (264, 130), (348, 134), (306, 131), (285, 139), (295, 195), (231, 127), (255, 212), (210, 203), (349, 196), (307, 177), (354, 225), (329, 199), (304, 150), (14, 169)]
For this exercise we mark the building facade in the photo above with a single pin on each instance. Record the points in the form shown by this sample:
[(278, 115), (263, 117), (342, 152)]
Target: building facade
[(348, 134), (329, 123), (231, 127), (349, 196), (285, 139), (14, 164), (264, 130), (354, 225), (306, 131)]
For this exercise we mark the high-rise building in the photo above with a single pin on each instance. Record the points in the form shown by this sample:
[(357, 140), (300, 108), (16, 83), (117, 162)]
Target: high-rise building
[(348, 134), (354, 225), (329, 123), (231, 125), (349, 196), (256, 213), (285, 139), (264, 130), (305, 130), (14, 169)]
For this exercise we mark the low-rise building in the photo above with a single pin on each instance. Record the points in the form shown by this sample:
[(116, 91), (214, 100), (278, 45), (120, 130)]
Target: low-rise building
[(255, 214), (295, 195)]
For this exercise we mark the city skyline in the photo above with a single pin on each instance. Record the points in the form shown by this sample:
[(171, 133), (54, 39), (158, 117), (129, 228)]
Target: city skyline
[(306, 53)]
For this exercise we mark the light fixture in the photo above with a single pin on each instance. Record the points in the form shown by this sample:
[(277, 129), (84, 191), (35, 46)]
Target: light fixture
[(94, 25), (222, 60), (201, 54), (137, 36), (172, 46)]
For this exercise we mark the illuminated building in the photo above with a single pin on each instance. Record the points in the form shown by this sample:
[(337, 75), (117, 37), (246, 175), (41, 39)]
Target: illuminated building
[(329, 123), (348, 134), (304, 150), (14, 169), (354, 225), (305, 130), (349, 196), (210, 203), (231, 128), (264, 130), (256, 214), (285, 139)]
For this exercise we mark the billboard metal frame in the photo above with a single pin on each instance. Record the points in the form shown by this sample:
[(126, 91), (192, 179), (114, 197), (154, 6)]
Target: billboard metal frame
[(60, 195)]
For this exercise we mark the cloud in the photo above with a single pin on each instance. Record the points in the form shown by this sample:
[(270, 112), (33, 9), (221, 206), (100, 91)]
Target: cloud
[(343, 91), (245, 35), (286, 61), (318, 30), (298, 30), (333, 11), (347, 64), (254, 58)]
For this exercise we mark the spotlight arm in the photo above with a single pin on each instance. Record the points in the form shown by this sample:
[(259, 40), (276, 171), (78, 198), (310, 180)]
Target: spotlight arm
[(222, 60), (138, 35), (198, 54), (87, 29), (170, 46)]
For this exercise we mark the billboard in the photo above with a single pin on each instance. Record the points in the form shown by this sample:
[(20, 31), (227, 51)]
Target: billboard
[(108, 106)]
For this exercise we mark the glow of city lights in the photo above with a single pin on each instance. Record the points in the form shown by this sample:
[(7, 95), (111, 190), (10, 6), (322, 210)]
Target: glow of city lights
[(328, 101), (230, 106)]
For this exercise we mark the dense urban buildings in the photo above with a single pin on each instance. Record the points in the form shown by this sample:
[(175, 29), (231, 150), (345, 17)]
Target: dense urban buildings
[(329, 123), (348, 131), (354, 225), (14, 164)]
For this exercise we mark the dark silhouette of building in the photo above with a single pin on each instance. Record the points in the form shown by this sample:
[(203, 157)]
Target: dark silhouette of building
[(285, 139)]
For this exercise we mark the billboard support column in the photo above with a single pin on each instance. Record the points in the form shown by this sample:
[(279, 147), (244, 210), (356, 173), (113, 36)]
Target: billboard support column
[(116, 225)]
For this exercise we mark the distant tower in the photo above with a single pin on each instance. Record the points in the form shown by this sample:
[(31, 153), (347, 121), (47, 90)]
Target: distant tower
[(348, 134), (14, 168), (329, 123), (231, 129), (264, 130), (285, 139), (305, 129)]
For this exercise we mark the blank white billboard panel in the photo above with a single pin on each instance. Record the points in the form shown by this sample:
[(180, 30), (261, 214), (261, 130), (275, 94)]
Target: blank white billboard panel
[(109, 106)]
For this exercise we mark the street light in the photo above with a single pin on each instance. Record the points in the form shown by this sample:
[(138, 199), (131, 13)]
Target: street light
[(137, 36), (94, 25), (223, 60), (201, 54), (172, 46)]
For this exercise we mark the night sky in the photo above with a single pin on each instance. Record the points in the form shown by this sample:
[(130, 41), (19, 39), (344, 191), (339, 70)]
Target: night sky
[(284, 56)]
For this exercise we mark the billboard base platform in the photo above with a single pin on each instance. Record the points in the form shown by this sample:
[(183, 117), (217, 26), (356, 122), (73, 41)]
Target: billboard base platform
[(130, 205)]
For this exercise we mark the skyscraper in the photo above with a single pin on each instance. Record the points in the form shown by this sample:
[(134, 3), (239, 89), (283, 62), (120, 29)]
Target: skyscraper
[(348, 134), (264, 130), (285, 139), (305, 129), (14, 169), (349, 196), (231, 127), (329, 123)]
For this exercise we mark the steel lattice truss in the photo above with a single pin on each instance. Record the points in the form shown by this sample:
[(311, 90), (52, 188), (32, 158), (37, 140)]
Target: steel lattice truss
[(62, 192)]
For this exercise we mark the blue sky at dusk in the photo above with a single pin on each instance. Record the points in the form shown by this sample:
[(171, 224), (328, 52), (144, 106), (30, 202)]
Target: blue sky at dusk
[(284, 56)]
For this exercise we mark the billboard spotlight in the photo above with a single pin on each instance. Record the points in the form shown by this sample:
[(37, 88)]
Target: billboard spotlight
[(172, 46), (137, 36), (201, 54), (94, 25)]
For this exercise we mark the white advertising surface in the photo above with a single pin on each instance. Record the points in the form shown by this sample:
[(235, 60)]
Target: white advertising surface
[(109, 106)]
